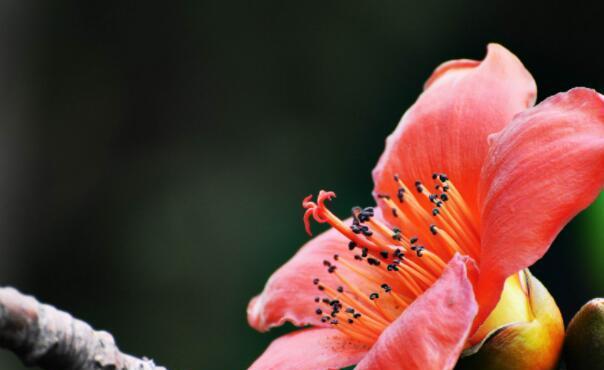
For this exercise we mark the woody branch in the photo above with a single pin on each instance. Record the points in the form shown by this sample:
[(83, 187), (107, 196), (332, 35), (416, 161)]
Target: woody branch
[(40, 335)]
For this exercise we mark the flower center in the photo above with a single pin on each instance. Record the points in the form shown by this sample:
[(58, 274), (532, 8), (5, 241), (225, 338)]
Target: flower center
[(403, 259)]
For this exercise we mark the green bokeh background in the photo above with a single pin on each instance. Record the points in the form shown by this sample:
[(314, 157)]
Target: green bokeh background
[(154, 155)]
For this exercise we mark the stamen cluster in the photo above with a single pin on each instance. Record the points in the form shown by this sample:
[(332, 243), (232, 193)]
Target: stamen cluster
[(399, 268)]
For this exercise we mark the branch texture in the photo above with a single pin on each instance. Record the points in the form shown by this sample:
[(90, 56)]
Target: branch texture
[(40, 335)]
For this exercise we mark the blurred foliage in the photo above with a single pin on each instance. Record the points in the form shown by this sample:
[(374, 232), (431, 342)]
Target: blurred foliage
[(154, 157), (591, 237)]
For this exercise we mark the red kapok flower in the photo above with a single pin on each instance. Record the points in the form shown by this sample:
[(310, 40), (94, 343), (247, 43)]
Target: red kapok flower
[(404, 285)]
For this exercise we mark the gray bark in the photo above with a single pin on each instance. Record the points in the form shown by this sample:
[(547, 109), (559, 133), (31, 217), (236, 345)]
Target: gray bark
[(40, 335)]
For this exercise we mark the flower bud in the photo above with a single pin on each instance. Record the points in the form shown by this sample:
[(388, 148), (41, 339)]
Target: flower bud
[(584, 344), (524, 331)]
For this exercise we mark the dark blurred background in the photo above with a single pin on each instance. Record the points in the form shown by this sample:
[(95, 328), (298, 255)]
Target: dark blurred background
[(153, 155)]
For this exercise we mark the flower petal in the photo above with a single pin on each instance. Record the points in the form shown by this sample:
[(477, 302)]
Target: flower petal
[(289, 293), (542, 169), (446, 129), (431, 333), (311, 349)]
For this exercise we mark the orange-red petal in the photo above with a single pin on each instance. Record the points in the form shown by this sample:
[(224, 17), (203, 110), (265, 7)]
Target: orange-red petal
[(446, 129), (431, 333), (289, 293), (542, 169), (311, 349)]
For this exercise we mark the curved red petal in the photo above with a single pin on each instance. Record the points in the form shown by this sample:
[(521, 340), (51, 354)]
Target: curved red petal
[(446, 129), (311, 349), (289, 293), (431, 333), (542, 169)]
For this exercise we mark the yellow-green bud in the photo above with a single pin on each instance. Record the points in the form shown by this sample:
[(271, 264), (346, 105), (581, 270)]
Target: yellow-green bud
[(524, 332), (584, 343)]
